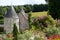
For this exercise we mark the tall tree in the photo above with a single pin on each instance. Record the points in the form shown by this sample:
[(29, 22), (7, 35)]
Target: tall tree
[(15, 32), (1, 11), (54, 8), (28, 8)]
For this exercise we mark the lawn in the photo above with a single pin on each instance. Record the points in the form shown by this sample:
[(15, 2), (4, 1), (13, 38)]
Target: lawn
[(36, 14)]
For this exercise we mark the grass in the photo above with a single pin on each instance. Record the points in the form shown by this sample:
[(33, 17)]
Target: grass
[(36, 14)]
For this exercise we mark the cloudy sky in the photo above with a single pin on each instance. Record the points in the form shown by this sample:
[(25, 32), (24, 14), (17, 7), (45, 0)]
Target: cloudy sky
[(21, 2)]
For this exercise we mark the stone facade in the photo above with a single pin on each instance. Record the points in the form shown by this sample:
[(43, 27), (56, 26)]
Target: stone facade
[(20, 20), (23, 21)]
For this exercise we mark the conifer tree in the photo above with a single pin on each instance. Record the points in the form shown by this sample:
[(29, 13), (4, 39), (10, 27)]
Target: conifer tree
[(15, 32)]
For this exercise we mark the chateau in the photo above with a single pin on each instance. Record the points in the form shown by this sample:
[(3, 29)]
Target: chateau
[(20, 19)]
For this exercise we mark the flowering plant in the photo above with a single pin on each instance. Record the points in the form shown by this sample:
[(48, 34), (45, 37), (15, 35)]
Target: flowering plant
[(54, 37)]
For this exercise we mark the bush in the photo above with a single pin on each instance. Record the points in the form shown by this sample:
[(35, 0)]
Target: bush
[(58, 23), (50, 21), (31, 35), (43, 22), (50, 31), (1, 17), (1, 22), (29, 18)]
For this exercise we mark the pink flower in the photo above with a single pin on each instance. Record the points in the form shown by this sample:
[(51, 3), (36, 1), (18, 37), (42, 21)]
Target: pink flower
[(54, 37)]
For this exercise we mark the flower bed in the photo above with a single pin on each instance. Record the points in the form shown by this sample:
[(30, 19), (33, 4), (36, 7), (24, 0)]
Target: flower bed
[(54, 37)]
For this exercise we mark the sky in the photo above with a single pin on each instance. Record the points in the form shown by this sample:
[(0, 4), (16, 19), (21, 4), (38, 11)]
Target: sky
[(20, 2)]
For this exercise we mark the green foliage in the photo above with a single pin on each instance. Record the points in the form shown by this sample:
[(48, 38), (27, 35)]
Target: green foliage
[(50, 21), (28, 34), (25, 35), (1, 10), (15, 32), (43, 22), (1, 17), (41, 7), (58, 23), (28, 8), (45, 0), (29, 18), (17, 8), (54, 8), (1, 22), (49, 31)]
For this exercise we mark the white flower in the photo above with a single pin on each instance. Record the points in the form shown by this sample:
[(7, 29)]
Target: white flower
[(32, 37)]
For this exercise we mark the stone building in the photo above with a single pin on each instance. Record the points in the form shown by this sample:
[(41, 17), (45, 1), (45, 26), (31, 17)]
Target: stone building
[(11, 17), (23, 20)]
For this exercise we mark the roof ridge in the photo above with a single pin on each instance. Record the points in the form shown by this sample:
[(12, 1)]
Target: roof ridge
[(23, 13), (11, 12)]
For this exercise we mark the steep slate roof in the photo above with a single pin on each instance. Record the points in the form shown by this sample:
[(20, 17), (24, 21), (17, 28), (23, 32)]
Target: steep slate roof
[(11, 13), (24, 14)]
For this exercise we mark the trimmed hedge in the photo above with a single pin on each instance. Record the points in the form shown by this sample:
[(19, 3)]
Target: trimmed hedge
[(1, 22)]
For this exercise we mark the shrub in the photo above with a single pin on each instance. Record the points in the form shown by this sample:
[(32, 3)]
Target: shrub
[(29, 18), (31, 35), (50, 31), (43, 22), (58, 23), (1, 22), (1, 16)]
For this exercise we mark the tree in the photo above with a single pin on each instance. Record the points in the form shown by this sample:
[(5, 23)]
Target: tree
[(28, 8), (15, 32), (40, 7), (35, 8), (54, 8), (45, 8), (17, 8)]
